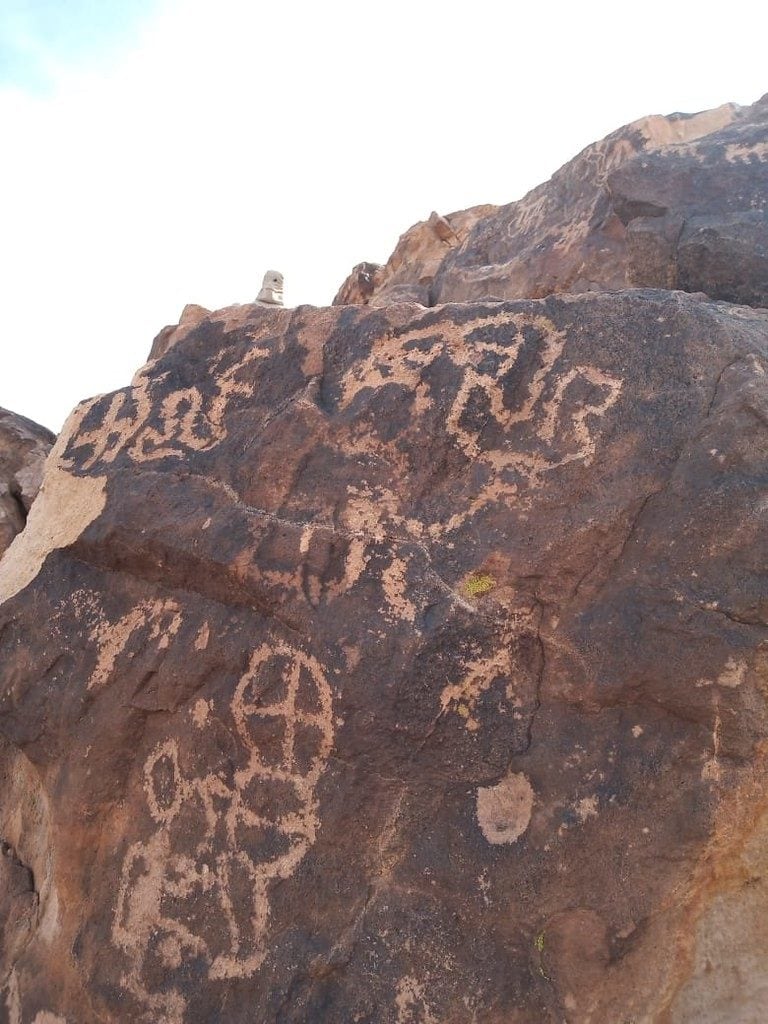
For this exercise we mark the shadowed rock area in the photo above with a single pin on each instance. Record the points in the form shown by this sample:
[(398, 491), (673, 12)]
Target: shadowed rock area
[(398, 665), (24, 447), (665, 202)]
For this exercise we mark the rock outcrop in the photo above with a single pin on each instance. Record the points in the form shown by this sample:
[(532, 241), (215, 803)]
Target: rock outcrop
[(24, 447), (398, 665), (665, 202), (410, 270), (190, 317)]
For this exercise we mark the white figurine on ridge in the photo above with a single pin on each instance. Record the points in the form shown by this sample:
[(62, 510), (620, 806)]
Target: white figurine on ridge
[(271, 293)]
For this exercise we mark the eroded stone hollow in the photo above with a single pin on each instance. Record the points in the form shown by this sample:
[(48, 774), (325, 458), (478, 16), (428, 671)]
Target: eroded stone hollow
[(385, 663)]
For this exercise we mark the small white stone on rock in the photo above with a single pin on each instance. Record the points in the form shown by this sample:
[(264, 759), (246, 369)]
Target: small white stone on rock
[(271, 293)]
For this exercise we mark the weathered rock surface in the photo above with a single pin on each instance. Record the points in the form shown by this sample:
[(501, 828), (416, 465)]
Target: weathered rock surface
[(24, 447), (408, 274), (190, 317), (399, 665), (665, 202)]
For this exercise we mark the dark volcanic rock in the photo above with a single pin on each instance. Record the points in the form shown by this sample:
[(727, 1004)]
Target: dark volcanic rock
[(665, 202), (190, 317), (24, 447), (399, 665)]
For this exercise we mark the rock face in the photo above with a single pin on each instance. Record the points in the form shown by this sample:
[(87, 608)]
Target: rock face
[(665, 202), (24, 447), (399, 665), (191, 315), (411, 269)]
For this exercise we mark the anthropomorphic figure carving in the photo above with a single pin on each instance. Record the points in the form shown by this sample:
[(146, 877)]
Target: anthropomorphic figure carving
[(194, 893), (271, 293)]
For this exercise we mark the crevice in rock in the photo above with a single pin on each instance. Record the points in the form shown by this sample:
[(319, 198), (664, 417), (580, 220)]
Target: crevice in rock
[(14, 493), (19, 908), (343, 949), (741, 620), (178, 571), (627, 209), (736, 359)]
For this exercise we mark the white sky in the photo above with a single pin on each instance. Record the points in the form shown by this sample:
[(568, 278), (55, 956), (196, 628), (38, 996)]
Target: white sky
[(217, 140)]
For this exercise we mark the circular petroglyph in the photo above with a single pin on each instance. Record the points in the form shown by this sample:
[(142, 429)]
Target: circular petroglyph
[(163, 785), (504, 810), (197, 887)]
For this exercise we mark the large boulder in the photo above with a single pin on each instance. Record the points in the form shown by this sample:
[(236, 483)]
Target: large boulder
[(665, 202), (398, 665), (24, 447)]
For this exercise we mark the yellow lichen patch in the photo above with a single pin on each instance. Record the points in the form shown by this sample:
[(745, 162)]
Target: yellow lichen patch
[(479, 584)]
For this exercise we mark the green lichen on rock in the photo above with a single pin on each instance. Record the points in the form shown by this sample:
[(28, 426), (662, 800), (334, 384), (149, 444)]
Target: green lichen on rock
[(478, 584)]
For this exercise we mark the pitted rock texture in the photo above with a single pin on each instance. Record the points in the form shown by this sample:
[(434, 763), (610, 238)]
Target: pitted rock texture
[(24, 447), (665, 202), (399, 665)]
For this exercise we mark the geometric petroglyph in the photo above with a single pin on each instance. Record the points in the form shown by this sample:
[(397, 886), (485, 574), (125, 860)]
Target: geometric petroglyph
[(148, 422), (196, 890), (506, 384)]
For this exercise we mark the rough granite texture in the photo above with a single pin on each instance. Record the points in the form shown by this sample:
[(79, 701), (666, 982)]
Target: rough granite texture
[(399, 665)]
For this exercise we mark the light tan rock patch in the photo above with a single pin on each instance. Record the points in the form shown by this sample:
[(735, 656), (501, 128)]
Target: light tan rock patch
[(504, 810), (65, 506)]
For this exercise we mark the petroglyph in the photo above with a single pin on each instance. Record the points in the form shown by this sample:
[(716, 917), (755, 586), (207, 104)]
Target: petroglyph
[(733, 674), (160, 619), (504, 810), (481, 671), (479, 674), (197, 888), (411, 1002), (395, 589), (512, 409), (735, 152), (147, 423)]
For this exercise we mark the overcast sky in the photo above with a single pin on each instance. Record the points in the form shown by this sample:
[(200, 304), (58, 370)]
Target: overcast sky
[(159, 152)]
